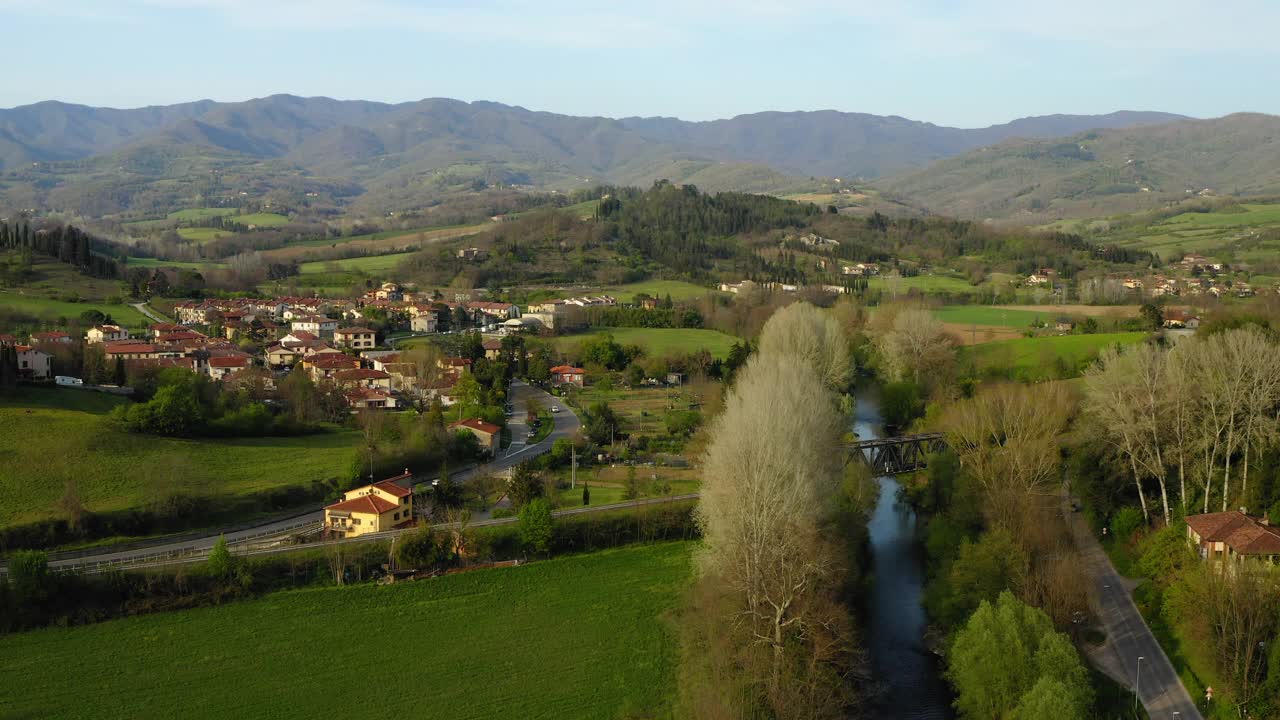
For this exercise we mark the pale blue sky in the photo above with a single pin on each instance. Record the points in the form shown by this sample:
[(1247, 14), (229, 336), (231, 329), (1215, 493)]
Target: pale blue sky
[(952, 62)]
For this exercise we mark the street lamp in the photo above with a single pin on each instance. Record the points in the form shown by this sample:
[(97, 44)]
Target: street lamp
[(1137, 684)]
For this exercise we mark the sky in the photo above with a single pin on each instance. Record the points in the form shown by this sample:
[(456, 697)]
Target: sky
[(964, 63)]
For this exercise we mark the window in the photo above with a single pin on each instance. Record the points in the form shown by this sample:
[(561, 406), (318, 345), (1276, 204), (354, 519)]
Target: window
[(355, 521)]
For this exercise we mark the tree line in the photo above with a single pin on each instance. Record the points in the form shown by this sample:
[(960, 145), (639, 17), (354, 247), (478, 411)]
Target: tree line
[(67, 243)]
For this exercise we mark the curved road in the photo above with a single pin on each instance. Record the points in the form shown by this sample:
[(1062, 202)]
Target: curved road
[(566, 425)]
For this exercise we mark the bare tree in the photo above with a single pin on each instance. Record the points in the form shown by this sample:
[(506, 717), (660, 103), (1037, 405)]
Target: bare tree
[(770, 473), (913, 345), (803, 333), (1125, 400), (1007, 437)]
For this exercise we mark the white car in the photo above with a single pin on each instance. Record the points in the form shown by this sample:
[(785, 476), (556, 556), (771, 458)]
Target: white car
[(555, 408)]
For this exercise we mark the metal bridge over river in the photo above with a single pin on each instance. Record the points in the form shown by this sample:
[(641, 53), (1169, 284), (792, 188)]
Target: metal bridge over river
[(895, 455)]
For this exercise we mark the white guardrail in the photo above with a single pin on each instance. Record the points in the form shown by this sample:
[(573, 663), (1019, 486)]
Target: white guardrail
[(238, 547)]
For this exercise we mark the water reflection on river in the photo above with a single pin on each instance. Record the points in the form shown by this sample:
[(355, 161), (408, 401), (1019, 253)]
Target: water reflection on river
[(896, 620)]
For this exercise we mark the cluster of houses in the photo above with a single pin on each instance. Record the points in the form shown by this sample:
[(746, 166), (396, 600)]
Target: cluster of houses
[(1193, 276)]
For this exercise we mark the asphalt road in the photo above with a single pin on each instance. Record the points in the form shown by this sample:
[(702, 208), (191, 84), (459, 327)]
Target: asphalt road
[(1128, 636), (566, 425)]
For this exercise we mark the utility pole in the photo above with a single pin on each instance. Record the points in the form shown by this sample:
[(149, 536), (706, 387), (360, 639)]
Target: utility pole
[(573, 465)]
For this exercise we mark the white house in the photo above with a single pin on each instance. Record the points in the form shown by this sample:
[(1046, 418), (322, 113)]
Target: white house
[(424, 323), (106, 333)]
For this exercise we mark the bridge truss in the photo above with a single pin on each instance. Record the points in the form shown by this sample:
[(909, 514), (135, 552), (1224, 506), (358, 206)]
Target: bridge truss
[(903, 454)]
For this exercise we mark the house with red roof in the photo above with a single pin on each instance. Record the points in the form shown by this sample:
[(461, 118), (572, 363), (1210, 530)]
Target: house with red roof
[(567, 375), (370, 398), (487, 433), (51, 337), (358, 338), (363, 377), (224, 366), (373, 508), (106, 333), (1228, 538), (324, 365), (33, 364)]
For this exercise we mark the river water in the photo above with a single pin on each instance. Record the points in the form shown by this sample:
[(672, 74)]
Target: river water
[(896, 620)]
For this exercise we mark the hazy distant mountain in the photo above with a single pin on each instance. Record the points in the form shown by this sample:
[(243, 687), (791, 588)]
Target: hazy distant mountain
[(101, 160), (1102, 172), (835, 144)]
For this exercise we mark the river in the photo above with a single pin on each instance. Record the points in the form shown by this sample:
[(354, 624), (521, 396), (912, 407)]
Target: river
[(895, 618)]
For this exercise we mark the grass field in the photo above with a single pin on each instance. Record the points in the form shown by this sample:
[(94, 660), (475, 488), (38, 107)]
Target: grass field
[(196, 214), (575, 637), (262, 219), (1043, 358), (658, 342), (991, 315), (925, 284), (57, 434), (50, 310), (202, 234), (678, 290), (156, 262), (370, 264)]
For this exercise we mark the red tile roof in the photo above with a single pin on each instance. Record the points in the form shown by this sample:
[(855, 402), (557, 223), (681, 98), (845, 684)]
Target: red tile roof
[(477, 424), (353, 331), (364, 504), (329, 361), (228, 361), (566, 370), (142, 363), (49, 335), (361, 374), (1245, 534)]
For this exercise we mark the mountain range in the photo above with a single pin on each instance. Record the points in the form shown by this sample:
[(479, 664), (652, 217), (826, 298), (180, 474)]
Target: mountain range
[(385, 157)]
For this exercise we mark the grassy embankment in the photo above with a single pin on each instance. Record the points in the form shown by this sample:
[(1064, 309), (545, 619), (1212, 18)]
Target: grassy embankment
[(58, 435), (576, 637)]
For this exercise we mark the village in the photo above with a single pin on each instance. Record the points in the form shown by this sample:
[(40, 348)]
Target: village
[(241, 340)]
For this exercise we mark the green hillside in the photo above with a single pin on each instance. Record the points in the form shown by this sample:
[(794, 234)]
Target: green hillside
[(1102, 173)]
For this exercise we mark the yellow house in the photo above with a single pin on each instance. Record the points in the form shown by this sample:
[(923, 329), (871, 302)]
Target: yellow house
[(373, 508)]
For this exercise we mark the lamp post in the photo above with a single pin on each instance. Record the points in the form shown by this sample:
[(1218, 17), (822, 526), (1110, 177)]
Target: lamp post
[(1137, 684)]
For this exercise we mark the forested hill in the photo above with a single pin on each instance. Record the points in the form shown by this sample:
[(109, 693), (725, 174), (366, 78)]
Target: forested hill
[(1102, 173), (394, 157), (681, 232)]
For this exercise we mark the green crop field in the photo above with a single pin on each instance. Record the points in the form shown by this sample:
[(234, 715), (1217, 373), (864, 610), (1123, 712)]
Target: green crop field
[(156, 262), (202, 234), (658, 342), (925, 284), (677, 289), (1245, 232), (370, 264), (195, 214), (49, 310), (262, 219), (1045, 357), (576, 637), (991, 315), (57, 434)]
